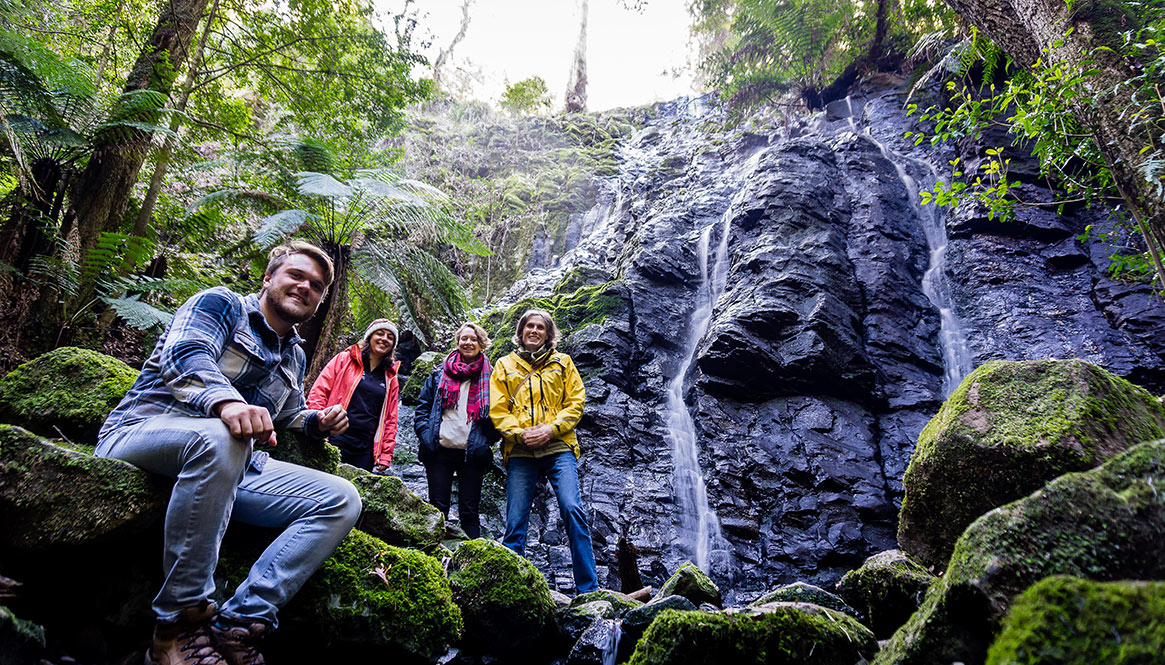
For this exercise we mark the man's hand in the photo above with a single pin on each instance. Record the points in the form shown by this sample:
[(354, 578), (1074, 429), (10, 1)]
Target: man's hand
[(537, 436), (247, 421), (333, 420)]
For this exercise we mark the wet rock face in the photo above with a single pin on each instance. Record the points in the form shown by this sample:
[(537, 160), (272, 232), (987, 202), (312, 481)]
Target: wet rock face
[(822, 358)]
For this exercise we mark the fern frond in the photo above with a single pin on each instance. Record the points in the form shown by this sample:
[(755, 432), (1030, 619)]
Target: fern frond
[(138, 314), (254, 198), (311, 183), (275, 228)]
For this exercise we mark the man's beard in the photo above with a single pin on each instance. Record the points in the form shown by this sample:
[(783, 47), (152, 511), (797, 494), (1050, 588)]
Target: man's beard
[(286, 313)]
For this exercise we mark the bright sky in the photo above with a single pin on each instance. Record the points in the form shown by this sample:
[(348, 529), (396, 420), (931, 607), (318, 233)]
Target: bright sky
[(632, 57)]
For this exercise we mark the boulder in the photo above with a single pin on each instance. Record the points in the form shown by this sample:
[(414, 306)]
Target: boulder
[(636, 621), (800, 592), (393, 512), (1104, 524), (65, 392), (43, 486), (410, 390), (620, 602), (574, 620), (21, 641), (504, 599), (1007, 430), (692, 583), (596, 643), (1072, 621), (887, 589), (368, 598), (301, 450), (777, 634)]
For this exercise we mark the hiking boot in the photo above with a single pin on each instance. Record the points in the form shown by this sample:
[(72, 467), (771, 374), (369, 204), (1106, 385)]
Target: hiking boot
[(239, 643), (186, 640)]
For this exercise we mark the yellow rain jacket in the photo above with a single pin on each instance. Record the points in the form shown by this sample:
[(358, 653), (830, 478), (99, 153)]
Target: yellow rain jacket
[(553, 394)]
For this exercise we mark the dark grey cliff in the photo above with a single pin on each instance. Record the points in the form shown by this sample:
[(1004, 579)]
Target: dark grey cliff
[(822, 358)]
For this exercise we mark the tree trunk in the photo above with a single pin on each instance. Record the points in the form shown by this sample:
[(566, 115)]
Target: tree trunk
[(104, 188), (318, 332), (1031, 30), (576, 90), (439, 63)]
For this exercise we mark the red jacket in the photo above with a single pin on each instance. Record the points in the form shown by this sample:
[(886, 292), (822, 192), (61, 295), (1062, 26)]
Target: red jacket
[(338, 381)]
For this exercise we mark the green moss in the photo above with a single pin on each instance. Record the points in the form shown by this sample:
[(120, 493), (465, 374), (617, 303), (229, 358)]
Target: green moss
[(371, 592), (504, 599), (586, 305), (800, 592), (691, 583), (42, 485), (1070, 621), (67, 390), (1009, 428), (422, 367), (887, 588), (620, 602), (20, 641), (393, 513), (304, 451), (1102, 524), (787, 633)]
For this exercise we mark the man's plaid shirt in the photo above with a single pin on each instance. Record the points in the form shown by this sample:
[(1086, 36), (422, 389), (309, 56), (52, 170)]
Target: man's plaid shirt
[(219, 348)]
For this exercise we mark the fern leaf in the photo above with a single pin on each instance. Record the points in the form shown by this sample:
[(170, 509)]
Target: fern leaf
[(310, 183), (275, 228), (138, 314)]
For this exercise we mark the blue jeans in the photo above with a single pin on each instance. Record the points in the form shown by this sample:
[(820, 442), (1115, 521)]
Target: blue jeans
[(216, 480), (562, 472)]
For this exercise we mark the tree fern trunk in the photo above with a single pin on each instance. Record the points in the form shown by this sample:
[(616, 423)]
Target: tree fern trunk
[(320, 333)]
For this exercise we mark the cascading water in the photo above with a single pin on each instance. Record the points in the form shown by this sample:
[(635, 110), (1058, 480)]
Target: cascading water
[(957, 359)]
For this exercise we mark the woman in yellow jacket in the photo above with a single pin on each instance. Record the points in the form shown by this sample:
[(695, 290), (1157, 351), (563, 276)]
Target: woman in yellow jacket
[(536, 399)]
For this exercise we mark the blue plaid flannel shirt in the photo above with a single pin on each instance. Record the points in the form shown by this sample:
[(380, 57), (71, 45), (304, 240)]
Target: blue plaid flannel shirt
[(217, 348)]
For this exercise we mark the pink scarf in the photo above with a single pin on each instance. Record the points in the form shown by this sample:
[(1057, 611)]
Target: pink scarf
[(455, 371)]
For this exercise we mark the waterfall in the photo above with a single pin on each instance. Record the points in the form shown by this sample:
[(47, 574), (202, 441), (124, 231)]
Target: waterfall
[(957, 359)]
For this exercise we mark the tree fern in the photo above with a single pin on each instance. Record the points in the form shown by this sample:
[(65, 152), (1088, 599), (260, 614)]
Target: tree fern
[(137, 313)]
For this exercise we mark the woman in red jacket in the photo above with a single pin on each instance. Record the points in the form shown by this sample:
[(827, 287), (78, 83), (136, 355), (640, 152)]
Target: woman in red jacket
[(362, 378)]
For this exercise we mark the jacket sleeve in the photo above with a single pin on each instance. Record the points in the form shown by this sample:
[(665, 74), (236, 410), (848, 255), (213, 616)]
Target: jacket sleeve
[(424, 409), (382, 454), (500, 406), (320, 395), (574, 395)]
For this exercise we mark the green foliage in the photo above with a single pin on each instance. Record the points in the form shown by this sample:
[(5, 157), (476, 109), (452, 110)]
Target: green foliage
[(526, 96)]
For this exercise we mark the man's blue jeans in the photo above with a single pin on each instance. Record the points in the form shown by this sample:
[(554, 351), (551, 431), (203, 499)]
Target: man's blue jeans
[(562, 470), (216, 480)]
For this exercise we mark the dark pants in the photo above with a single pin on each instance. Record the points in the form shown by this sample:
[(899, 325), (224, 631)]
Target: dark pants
[(440, 471), (355, 448)]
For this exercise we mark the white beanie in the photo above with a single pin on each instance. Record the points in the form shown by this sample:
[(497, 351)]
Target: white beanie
[(382, 324)]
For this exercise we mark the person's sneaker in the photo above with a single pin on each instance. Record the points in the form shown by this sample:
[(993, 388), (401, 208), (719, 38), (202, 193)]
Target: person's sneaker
[(239, 644), (186, 640)]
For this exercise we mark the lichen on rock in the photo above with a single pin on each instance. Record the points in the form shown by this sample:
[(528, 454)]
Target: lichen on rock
[(43, 487), (1072, 621), (777, 634), (1103, 524), (505, 600), (1007, 430), (67, 391)]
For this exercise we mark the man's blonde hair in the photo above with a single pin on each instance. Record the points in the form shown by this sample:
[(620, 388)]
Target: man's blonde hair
[(281, 253)]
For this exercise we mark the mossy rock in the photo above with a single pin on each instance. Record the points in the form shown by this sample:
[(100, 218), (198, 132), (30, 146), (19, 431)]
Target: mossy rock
[(505, 600), (304, 451), (777, 634), (367, 597), (52, 496), (1104, 524), (574, 620), (392, 512), (21, 641), (410, 390), (1008, 429), (636, 620), (588, 304), (620, 602), (887, 589), (800, 592), (67, 391), (692, 583), (1071, 621)]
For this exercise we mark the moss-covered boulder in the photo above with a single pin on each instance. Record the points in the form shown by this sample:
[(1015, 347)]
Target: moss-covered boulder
[(393, 512), (304, 451), (504, 599), (1008, 429), (692, 583), (574, 620), (367, 598), (1104, 524), (21, 641), (887, 589), (620, 602), (52, 496), (1071, 621), (777, 634), (636, 620), (410, 390), (67, 391), (800, 592)]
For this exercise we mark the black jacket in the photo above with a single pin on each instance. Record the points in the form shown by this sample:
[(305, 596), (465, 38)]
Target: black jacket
[(427, 424)]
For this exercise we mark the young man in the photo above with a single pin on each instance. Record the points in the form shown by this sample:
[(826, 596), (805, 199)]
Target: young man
[(226, 373), (536, 399)]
